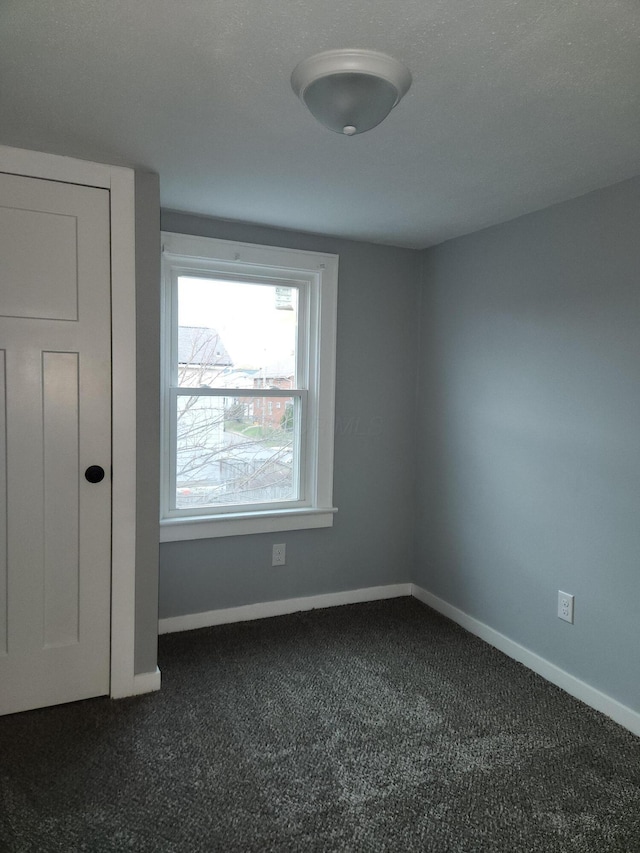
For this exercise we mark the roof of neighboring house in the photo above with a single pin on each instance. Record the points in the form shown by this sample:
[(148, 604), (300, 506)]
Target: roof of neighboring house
[(202, 345)]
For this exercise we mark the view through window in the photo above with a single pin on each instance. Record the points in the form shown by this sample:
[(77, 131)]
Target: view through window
[(238, 431)]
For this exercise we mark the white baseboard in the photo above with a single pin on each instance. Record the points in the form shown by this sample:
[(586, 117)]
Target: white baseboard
[(146, 682), (264, 610), (622, 714)]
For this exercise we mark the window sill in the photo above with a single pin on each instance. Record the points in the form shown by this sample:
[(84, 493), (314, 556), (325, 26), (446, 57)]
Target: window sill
[(241, 523)]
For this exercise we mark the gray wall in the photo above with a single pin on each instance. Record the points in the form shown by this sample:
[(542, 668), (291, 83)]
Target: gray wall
[(371, 542), (529, 400), (147, 237)]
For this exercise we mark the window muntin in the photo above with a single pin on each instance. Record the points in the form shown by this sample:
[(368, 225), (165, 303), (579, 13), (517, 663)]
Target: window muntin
[(248, 365)]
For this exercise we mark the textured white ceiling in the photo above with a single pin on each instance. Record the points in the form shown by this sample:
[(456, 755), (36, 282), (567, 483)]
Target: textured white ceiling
[(515, 105)]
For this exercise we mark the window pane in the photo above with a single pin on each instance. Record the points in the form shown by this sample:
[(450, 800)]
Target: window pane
[(235, 450), (236, 334)]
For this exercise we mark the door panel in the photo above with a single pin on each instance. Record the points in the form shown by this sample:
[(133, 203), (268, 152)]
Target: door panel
[(43, 248), (60, 413), (55, 333)]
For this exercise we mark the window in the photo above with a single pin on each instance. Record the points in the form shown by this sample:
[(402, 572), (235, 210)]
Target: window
[(248, 365)]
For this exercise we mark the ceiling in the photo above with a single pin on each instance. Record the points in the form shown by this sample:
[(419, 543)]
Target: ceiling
[(515, 105)]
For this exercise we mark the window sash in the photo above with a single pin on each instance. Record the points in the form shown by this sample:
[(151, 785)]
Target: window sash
[(215, 270)]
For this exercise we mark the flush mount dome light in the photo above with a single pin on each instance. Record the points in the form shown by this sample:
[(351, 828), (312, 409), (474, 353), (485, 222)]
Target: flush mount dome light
[(350, 91)]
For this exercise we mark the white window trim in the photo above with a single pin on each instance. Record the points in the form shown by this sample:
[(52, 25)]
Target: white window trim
[(321, 271)]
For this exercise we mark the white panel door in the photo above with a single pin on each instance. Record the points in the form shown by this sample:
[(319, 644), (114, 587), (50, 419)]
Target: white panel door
[(55, 422)]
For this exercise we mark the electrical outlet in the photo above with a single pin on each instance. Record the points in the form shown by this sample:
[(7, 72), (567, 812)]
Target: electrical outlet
[(565, 606), (278, 555)]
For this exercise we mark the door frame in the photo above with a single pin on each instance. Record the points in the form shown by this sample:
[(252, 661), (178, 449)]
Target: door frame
[(121, 184)]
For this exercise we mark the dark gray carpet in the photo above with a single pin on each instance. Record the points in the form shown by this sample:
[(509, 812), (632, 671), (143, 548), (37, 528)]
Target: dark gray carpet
[(373, 727)]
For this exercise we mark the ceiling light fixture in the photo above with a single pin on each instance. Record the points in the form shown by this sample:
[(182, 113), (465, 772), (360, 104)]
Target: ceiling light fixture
[(350, 91)]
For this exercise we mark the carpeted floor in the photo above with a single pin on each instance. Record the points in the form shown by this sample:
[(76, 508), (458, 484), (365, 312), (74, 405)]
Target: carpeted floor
[(372, 727)]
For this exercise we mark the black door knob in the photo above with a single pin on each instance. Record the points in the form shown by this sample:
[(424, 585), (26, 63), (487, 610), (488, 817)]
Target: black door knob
[(94, 474)]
